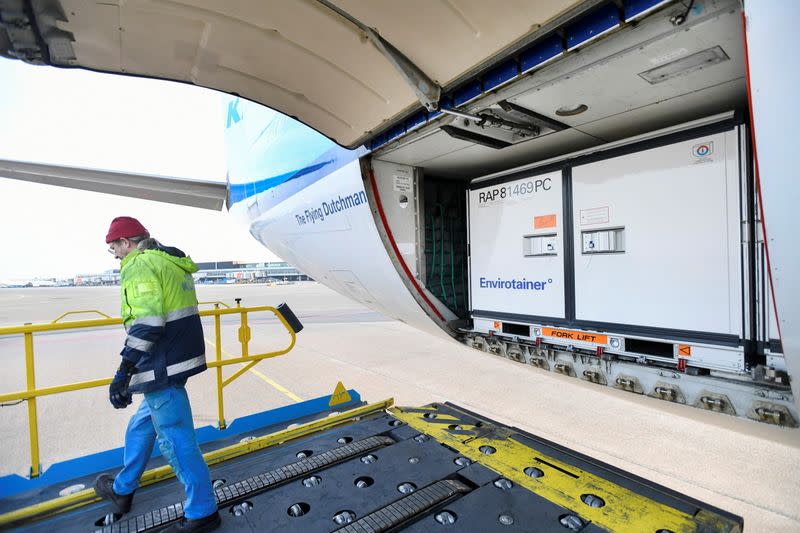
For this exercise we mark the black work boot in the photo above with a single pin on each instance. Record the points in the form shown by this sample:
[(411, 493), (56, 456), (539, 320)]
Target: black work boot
[(104, 486), (208, 523)]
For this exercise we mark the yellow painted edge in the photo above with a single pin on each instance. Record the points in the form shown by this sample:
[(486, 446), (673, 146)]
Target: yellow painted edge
[(625, 510)]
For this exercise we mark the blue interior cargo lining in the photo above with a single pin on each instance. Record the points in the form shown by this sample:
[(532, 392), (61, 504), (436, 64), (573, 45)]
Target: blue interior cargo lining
[(541, 52), (592, 25), (636, 8)]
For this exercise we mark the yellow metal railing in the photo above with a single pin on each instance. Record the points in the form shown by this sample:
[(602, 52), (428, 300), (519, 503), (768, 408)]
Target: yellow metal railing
[(31, 392)]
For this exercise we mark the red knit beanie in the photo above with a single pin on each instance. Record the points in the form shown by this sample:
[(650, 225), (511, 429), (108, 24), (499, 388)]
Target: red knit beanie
[(125, 227)]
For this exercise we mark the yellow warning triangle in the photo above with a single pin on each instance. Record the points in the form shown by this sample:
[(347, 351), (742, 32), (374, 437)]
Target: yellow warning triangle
[(340, 395)]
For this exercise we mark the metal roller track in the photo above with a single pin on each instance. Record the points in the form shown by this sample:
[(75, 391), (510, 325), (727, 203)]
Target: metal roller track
[(408, 508), (231, 494)]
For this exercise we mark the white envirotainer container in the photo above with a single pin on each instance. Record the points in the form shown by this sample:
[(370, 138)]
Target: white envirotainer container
[(517, 259), (677, 261), (643, 240)]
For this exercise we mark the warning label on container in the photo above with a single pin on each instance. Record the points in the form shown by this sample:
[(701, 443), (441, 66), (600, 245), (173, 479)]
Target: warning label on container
[(402, 183), (581, 336), (703, 152), (596, 215), (684, 350), (544, 221), (703, 149)]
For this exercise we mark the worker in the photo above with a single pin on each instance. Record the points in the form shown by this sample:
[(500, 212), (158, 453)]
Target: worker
[(164, 347)]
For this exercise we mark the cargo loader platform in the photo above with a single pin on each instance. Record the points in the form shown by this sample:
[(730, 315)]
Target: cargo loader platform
[(376, 467)]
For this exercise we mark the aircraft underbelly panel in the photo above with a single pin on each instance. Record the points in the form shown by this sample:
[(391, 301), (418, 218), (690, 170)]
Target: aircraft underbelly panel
[(329, 233)]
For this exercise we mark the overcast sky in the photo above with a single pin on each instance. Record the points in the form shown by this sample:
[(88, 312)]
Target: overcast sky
[(80, 118)]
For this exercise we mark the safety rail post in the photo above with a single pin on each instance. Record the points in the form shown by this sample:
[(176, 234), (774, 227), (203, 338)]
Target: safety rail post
[(244, 333), (244, 339), (33, 423), (218, 347)]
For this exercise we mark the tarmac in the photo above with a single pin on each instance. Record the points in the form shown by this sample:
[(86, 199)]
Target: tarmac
[(744, 467)]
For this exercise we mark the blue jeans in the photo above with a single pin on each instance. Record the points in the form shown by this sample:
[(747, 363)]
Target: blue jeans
[(166, 414)]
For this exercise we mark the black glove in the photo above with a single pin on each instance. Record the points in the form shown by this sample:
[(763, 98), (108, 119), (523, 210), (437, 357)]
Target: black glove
[(118, 393)]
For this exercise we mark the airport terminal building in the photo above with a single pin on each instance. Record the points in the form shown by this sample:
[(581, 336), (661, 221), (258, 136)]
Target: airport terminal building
[(215, 272)]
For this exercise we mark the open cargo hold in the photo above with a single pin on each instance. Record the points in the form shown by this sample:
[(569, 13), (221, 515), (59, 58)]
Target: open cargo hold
[(608, 217), (636, 264)]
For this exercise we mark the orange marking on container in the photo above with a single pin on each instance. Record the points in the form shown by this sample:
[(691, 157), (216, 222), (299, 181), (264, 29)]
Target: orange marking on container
[(580, 336), (498, 325), (544, 221), (684, 350)]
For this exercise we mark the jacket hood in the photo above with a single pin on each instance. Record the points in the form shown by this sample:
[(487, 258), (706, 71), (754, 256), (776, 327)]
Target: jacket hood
[(176, 257), (173, 255)]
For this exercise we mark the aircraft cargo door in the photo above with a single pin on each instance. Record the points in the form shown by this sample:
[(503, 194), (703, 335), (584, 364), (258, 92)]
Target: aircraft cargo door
[(657, 237), (516, 248)]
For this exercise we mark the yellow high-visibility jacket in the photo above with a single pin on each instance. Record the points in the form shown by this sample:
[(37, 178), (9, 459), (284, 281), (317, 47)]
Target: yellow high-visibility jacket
[(159, 310)]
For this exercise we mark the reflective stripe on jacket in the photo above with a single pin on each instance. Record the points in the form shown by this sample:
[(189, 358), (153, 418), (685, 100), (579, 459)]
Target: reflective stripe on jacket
[(159, 310)]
